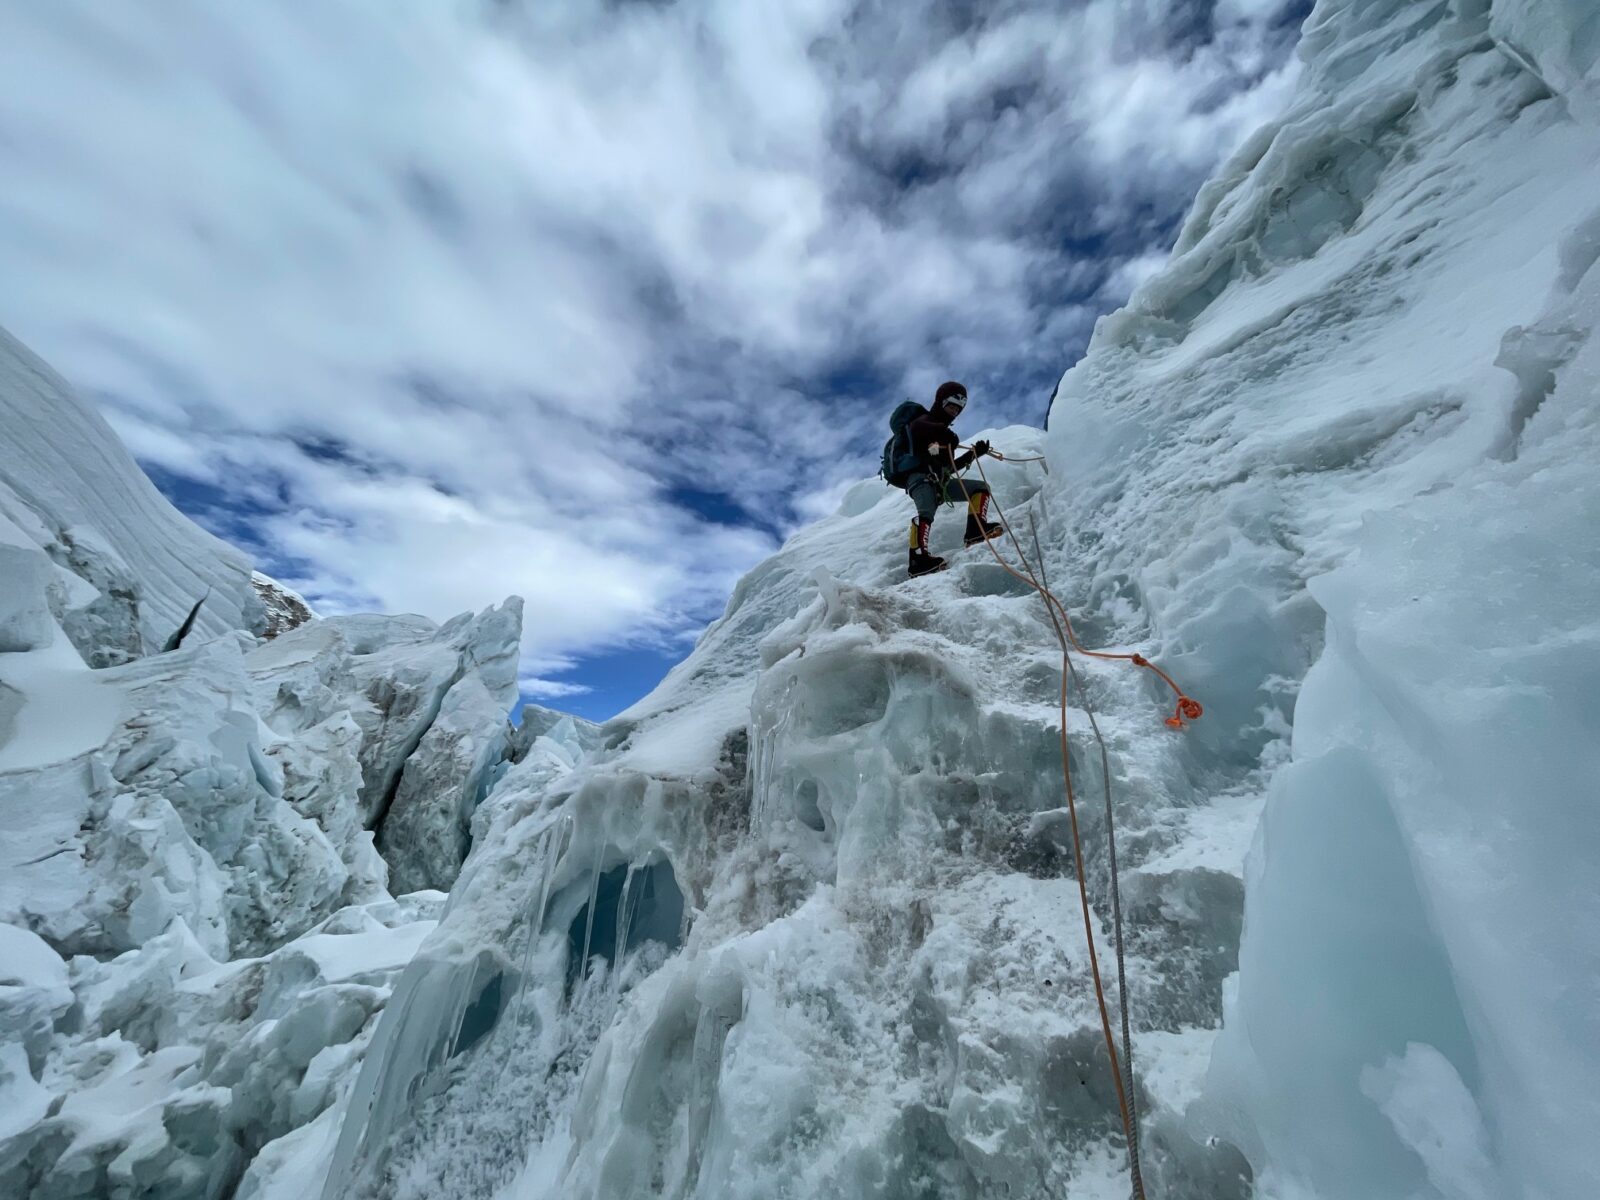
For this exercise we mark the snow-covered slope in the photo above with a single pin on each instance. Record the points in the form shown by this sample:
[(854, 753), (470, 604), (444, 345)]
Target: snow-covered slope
[(804, 924), (1363, 404), (129, 566)]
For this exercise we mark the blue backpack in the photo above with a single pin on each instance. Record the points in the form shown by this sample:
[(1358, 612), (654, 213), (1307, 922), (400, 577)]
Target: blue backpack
[(900, 461)]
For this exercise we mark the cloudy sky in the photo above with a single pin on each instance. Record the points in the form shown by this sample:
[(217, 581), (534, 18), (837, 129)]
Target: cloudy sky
[(428, 302)]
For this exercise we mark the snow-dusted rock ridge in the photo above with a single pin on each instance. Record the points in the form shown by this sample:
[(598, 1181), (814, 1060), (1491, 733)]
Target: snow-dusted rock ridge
[(802, 925)]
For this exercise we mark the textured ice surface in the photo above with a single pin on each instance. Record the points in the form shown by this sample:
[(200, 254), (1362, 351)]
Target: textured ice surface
[(796, 926), (195, 931), (802, 923), (128, 566), (170, 1071), (1364, 395), (1322, 440), (194, 926)]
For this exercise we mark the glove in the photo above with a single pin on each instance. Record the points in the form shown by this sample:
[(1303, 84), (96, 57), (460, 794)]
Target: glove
[(979, 449)]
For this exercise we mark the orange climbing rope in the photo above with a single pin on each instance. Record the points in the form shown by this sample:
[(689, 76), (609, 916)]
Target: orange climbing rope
[(1187, 707)]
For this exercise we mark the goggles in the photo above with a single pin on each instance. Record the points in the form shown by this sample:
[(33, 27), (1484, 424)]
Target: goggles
[(957, 402)]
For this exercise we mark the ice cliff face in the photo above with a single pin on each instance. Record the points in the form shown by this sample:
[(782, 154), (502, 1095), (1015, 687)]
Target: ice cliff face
[(196, 929), (1363, 401), (802, 923), (124, 567)]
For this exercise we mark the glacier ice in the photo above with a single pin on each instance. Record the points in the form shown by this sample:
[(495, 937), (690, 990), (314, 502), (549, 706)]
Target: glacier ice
[(795, 919), (802, 922), (1263, 467), (128, 566), (193, 900), (196, 926)]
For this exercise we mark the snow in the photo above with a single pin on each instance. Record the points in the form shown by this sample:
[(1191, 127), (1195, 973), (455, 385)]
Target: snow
[(191, 839), (680, 743), (196, 934), (68, 483), (803, 921), (22, 1101), (57, 711), (1303, 470), (341, 957), (1435, 1114), (832, 780), (26, 961), (1419, 525)]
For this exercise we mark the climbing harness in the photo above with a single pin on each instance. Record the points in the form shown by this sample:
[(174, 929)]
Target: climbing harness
[(1188, 708)]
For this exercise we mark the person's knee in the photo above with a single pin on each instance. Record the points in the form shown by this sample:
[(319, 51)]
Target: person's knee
[(959, 491)]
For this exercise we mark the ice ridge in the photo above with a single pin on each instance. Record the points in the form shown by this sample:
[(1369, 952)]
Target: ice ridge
[(802, 922)]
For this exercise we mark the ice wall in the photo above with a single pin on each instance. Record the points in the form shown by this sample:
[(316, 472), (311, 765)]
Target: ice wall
[(801, 923), (1361, 401), (196, 929), (129, 565)]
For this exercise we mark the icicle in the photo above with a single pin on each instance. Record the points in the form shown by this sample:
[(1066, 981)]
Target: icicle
[(768, 733), (594, 900), (551, 847), (624, 920)]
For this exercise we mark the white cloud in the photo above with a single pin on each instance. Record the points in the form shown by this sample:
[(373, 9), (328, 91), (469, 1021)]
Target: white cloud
[(1120, 284), (550, 689), (454, 299)]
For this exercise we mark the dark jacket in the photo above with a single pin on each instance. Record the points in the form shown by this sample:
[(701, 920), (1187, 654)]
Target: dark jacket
[(931, 433)]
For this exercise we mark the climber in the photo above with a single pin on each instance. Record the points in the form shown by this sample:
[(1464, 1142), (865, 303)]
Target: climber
[(932, 479)]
